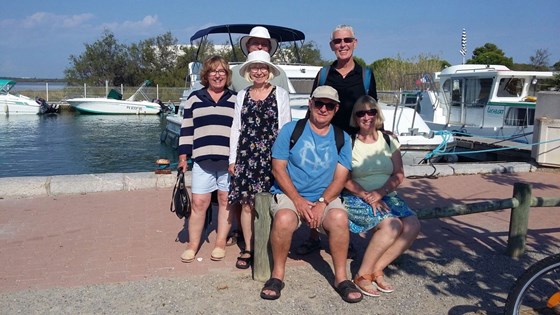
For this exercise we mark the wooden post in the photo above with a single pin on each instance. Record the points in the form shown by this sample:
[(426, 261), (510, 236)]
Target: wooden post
[(519, 220), (262, 262)]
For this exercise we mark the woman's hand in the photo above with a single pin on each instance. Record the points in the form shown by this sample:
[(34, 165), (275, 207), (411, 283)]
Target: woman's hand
[(231, 169), (182, 166), (373, 198)]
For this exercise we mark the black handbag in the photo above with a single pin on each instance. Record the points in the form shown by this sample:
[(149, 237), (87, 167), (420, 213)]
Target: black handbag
[(181, 202)]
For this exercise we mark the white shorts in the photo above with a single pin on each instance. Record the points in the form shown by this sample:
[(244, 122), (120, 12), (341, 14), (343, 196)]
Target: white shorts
[(208, 177)]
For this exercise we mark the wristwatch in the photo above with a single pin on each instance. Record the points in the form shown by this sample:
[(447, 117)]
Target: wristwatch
[(323, 200)]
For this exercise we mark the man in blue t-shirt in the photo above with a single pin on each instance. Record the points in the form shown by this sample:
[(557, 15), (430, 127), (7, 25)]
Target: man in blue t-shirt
[(309, 176)]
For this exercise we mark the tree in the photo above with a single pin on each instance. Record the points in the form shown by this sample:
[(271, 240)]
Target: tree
[(105, 59), (540, 59), (396, 73), (490, 54)]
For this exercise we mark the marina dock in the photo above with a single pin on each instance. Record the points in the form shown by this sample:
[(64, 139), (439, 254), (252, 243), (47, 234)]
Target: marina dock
[(493, 149)]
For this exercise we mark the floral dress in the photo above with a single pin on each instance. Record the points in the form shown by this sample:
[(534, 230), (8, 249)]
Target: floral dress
[(253, 164)]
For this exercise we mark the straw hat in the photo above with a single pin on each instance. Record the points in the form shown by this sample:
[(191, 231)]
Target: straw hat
[(260, 32), (258, 56)]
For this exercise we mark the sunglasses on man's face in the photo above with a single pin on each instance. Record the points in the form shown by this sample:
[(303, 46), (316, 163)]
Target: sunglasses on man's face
[(318, 104), (347, 40), (370, 112)]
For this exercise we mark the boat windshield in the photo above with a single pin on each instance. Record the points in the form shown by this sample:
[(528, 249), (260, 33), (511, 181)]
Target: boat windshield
[(510, 87)]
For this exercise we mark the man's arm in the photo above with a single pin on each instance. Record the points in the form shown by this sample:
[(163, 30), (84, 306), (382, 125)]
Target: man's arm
[(303, 206)]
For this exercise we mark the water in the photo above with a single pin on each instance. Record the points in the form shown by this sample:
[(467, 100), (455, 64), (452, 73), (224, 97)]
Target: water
[(72, 143)]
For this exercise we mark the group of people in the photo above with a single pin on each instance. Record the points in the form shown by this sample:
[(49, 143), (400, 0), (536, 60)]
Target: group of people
[(335, 171)]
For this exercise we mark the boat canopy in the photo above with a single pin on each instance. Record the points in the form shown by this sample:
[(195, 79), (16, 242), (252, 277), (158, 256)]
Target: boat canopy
[(6, 85), (280, 33)]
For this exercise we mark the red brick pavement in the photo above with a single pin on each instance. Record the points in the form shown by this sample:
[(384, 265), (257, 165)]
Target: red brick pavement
[(108, 237)]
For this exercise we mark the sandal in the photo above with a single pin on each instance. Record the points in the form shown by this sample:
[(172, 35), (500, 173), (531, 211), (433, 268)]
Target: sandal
[(308, 247), (218, 254), (272, 284), (244, 262), (345, 288), (369, 288), (382, 285), (188, 256)]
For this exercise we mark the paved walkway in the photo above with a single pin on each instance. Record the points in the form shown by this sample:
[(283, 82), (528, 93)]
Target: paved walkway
[(116, 236)]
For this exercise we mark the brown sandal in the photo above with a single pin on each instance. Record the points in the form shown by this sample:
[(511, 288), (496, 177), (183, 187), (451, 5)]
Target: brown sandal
[(368, 289), (382, 285)]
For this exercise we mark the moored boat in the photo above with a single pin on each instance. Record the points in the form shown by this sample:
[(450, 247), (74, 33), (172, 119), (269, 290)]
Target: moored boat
[(114, 104), (15, 104), (480, 100)]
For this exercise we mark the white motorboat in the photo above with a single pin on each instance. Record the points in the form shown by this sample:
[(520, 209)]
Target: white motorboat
[(481, 100), (297, 78), (12, 104), (114, 104)]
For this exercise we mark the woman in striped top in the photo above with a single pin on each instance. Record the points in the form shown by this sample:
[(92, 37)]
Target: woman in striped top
[(205, 132)]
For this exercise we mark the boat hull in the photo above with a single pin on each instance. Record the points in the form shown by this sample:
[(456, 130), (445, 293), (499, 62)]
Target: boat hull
[(18, 104), (114, 107)]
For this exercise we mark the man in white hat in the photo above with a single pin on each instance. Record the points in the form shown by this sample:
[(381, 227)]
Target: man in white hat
[(258, 39), (309, 176)]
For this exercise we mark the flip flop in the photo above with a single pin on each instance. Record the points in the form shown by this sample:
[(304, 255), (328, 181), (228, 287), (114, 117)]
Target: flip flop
[(345, 288), (275, 285)]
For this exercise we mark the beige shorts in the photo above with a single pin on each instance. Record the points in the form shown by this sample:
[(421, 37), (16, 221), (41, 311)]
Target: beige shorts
[(281, 201)]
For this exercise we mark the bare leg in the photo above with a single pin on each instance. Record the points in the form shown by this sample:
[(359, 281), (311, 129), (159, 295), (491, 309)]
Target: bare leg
[(200, 203), (335, 224), (283, 226), (247, 218), (410, 230), (224, 219), (386, 234)]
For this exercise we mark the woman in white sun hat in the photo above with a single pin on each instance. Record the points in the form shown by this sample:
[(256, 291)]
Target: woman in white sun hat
[(260, 111)]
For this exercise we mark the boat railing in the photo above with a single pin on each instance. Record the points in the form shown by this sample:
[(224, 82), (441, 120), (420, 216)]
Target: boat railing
[(403, 99)]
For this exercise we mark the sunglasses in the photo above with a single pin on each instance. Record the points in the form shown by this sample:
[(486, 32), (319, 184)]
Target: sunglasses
[(318, 104), (347, 40), (370, 112)]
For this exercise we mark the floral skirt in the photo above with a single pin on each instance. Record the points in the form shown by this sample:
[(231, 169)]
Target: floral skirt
[(360, 213)]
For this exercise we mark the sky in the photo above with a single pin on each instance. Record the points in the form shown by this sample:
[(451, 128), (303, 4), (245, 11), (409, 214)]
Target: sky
[(38, 36)]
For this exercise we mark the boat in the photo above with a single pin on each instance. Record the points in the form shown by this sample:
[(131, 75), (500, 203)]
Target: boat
[(488, 101), (12, 104), (415, 136), (114, 104), (297, 78)]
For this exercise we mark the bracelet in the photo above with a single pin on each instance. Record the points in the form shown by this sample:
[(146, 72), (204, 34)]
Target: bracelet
[(181, 160)]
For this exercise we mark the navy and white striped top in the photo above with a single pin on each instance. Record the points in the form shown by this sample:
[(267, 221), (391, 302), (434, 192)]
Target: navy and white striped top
[(206, 125)]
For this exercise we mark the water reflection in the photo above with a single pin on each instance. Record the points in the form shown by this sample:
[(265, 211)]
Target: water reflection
[(70, 143)]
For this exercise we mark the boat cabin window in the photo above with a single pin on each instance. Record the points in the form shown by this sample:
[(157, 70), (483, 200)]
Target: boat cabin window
[(510, 87), (520, 116), (470, 92)]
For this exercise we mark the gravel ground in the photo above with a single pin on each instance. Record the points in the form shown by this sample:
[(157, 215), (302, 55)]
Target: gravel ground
[(427, 283)]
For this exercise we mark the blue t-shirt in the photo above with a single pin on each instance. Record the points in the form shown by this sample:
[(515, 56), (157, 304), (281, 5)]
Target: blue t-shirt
[(312, 161)]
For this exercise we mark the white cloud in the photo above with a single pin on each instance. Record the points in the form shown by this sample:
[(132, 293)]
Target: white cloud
[(42, 19), (147, 23)]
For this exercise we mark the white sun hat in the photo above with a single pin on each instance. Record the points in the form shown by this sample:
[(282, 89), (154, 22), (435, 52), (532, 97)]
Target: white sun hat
[(260, 32), (258, 56)]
